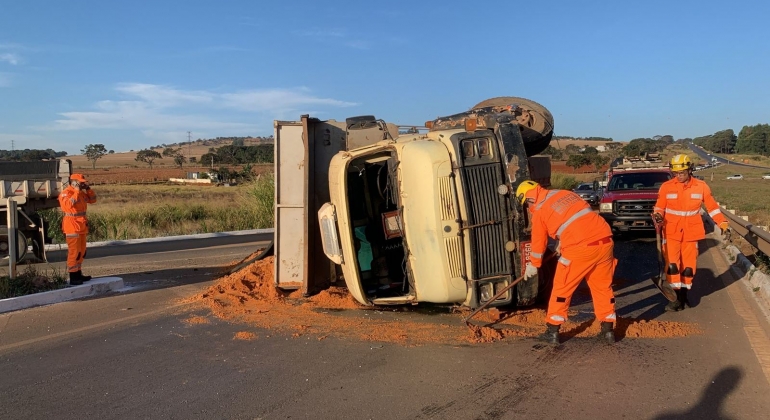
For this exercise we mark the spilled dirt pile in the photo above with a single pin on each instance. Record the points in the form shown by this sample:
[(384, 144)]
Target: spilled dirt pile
[(249, 296)]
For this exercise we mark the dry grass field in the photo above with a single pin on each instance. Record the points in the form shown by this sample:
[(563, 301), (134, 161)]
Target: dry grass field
[(122, 167), (128, 158)]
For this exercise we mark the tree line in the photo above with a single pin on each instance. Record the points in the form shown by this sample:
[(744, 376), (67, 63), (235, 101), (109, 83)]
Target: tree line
[(754, 139), (30, 154)]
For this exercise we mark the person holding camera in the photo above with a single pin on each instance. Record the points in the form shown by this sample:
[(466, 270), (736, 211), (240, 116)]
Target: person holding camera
[(74, 201)]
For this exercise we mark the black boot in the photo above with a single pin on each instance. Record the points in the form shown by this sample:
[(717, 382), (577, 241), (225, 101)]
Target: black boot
[(551, 334), (607, 335), (76, 278), (683, 298), (84, 278), (678, 304)]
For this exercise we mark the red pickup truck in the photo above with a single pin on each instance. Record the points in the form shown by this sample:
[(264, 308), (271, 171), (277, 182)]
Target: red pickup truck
[(630, 196)]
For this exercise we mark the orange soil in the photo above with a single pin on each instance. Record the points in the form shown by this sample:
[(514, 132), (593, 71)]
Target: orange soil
[(245, 335), (196, 320), (248, 296)]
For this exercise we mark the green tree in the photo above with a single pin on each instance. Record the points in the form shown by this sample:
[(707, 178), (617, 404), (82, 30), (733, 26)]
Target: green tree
[(170, 152), (180, 159), (598, 161), (94, 152), (576, 161), (556, 154), (572, 149), (148, 156), (754, 139)]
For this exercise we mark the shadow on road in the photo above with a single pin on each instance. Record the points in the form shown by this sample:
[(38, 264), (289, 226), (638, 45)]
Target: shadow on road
[(712, 399)]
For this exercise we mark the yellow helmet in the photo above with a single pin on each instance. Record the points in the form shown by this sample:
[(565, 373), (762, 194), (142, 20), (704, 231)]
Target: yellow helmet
[(680, 163), (523, 189)]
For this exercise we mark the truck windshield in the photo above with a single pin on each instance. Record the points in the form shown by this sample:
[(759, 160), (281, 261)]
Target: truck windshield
[(638, 181)]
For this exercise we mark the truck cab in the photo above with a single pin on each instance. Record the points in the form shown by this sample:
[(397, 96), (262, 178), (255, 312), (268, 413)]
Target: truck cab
[(430, 217), (632, 190)]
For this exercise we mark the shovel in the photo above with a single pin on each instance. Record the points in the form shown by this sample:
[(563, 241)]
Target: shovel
[(494, 298), (660, 280)]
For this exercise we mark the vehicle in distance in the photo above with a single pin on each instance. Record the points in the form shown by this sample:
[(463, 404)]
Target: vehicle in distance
[(587, 192), (766, 176), (736, 176)]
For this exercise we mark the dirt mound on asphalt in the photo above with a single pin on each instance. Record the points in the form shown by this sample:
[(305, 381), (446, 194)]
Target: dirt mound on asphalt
[(249, 296)]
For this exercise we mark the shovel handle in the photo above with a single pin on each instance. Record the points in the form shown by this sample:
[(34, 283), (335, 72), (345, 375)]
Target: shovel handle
[(494, 298)]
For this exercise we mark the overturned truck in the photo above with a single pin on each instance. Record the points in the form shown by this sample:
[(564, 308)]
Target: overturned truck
[(427, 215)]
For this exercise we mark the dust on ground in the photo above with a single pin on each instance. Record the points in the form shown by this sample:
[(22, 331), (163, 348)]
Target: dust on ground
[(249, 296), (245, 335), (195, 320)]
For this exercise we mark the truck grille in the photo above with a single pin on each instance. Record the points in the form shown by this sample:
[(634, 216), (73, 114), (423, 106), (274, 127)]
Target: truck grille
[(634, 207), (488, 254)]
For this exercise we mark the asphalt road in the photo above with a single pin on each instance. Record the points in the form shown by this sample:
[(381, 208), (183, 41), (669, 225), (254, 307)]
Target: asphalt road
[(708, 156), (160, 264), (132, 356)]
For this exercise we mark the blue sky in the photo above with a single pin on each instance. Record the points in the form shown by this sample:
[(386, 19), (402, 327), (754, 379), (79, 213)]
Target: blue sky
[(136, 74)]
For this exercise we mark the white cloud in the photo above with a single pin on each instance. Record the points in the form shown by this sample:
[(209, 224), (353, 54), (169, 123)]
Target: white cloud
[(10, 58), (162, 112)]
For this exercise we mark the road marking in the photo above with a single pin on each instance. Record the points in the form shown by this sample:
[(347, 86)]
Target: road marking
[(759, 342), (91, 327)]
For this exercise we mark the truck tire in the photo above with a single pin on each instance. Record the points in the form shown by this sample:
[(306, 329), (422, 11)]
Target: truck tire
[(537, 136), (21, 244)]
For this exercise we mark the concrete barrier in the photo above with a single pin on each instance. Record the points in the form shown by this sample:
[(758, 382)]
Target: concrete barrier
[(91, 288), (757, 280)]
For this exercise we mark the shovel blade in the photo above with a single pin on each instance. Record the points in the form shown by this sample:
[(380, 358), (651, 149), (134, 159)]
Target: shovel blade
[(665, 288)]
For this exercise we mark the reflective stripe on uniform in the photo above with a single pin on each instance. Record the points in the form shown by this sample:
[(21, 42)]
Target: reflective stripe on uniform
[(547, 196), (611, 316), (697, 196), (657, 210), (681, 285), (672, 196), (82, 213), (536, 254), (73, 235), (564, 261), (713, 213), (557, 318), (682, 213), (574, 217)]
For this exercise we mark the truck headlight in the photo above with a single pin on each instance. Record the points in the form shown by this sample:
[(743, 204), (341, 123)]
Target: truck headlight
[(486, 291), (605, 208)]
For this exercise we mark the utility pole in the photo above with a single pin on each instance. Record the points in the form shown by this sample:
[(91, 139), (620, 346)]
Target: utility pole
[(189, 143), (13, 144)]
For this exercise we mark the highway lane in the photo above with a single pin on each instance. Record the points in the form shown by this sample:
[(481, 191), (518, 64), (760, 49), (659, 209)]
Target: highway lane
[(162, 263), (708, 157), (133, 356)]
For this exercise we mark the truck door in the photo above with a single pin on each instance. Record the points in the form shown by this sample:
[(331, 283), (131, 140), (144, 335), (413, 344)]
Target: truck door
[(303, 150)]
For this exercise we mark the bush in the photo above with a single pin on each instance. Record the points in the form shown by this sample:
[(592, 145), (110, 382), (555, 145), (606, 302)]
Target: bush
[(561, 181), (30, 281)]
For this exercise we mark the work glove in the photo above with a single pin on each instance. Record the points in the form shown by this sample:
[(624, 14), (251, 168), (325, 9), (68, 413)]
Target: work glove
[(530, 272), (658, 218), (724, 226)]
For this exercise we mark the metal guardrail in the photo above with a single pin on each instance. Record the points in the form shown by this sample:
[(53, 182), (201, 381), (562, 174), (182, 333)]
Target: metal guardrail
[(758, 238)]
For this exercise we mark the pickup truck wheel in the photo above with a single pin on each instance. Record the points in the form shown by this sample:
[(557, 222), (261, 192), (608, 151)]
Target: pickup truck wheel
[(21, 244)]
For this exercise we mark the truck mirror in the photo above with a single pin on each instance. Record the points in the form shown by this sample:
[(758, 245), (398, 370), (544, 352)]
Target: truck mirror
[(596, 185)]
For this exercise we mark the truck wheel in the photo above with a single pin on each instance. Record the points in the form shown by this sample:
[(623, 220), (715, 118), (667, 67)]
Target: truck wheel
[(21, 244)]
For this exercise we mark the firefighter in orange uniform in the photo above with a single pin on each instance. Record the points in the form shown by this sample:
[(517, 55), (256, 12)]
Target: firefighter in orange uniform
[(74, 201), (678, 210), (585, 242)]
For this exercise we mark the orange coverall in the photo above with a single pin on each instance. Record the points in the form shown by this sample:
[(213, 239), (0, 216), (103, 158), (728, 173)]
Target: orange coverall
[(74, 204), (680, 204), (586, 251)]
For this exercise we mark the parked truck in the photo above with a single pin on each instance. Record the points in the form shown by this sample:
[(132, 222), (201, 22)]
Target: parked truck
[(33, 186), (427, 216)]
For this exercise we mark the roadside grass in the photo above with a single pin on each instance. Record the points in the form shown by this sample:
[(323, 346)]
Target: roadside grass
[(747, 196), (30, 281), (147, 211)]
